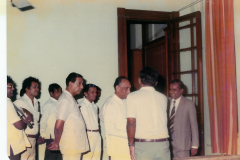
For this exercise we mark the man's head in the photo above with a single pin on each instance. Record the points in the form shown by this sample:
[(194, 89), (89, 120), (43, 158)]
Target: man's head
[(55, 90), (10, 87), (90, 92), (74, 83), (30, 86), (122, 87), (148, 77), (176, 88)]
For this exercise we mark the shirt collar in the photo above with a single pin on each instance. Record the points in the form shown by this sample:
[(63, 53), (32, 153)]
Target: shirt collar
[(26, 97), (53, 99), (86, 101), (116, 97), (68, 93), (148, 88), (177, 100)]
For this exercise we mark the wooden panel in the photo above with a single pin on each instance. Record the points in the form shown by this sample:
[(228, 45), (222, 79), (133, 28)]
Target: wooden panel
[(135, 67), (155, 56)]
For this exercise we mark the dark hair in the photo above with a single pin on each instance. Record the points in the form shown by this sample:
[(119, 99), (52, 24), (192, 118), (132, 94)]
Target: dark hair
[(118, 81), (180, 83), (9, 80), (52, 87), (72, 77), (148, 76), (27, 84), (87, 86), (98, 88)]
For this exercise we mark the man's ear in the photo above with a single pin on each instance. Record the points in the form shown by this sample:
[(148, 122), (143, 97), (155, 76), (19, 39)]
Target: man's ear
[(182, 90), (117, 88), (85, 94), (139, 81), (51, 94)]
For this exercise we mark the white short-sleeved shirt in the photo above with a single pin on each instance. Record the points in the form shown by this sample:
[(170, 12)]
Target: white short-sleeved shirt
[(149, 107), (48, 119), (16, 138), (113, 113), (26, 102), (74, 138), (89, 112)]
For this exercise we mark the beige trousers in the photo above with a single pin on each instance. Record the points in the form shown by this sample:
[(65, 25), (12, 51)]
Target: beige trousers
[(30, 153), (94, 139)]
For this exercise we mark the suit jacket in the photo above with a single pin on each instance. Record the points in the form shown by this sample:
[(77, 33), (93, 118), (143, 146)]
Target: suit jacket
[(185, 133)]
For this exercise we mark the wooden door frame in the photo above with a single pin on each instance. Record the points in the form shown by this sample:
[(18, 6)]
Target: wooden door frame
[(153, 16), (135, 15)]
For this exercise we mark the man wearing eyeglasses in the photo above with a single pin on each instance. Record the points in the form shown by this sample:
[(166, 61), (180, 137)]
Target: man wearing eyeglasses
[(17, 140)]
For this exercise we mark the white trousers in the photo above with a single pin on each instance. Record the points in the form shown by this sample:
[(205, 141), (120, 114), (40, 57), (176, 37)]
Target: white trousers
[(30, 152), (94, 139)]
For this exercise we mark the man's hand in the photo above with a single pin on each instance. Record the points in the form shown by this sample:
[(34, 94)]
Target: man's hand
[(194, 151), (29, 116), (28, 119), (40, 140), (132, 152), (53, 146)]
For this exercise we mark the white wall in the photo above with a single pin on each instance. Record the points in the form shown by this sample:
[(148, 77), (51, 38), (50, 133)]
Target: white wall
[(59, 37)]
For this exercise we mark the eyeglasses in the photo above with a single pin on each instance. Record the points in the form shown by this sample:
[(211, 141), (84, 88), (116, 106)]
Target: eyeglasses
[(12, 86)]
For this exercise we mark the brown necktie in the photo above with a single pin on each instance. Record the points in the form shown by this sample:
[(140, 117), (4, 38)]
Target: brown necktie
[(171, 120)]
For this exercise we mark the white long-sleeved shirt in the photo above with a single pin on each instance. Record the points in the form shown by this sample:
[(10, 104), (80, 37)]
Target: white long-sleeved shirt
[(26, 102), (48, 119), (89, 112)]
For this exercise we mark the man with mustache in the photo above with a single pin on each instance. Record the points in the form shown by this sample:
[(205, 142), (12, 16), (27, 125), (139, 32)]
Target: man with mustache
[(183, 126), (70, 130), (30, 90)]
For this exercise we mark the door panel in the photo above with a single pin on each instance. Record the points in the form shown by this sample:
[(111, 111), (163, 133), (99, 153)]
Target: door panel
[(155, 56), (185, 60)]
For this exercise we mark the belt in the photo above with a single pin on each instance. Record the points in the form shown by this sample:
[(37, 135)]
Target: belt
[(97, 130), (31, 136), (151, 140)]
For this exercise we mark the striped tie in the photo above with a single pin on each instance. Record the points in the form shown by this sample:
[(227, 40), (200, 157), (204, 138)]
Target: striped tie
[(172, 119)]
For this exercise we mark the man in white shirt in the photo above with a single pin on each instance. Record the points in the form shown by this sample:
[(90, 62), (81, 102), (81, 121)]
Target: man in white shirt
[(183, 126), (30, 89), (147, 120), (17, 140), (89, 111), (113, 113), (70, 130), (48, 121)]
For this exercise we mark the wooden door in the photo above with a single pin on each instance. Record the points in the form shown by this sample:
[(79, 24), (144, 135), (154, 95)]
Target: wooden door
[(184, 41)]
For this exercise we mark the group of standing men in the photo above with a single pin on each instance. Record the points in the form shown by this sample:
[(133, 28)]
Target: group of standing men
[(137, 124)]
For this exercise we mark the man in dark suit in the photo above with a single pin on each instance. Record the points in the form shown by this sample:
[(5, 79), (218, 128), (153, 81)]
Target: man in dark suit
[(183, 126)]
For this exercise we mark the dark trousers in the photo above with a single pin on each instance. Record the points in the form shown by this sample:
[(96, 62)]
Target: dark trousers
[(52, 155), (14, 157)]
